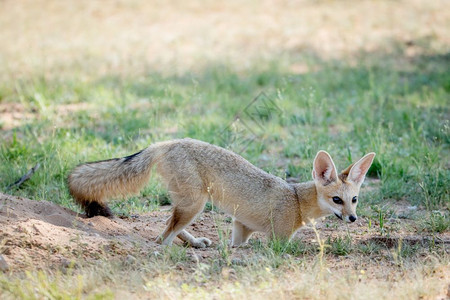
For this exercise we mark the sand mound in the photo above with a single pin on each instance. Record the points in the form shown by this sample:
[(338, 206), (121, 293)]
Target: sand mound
[(43, 234)]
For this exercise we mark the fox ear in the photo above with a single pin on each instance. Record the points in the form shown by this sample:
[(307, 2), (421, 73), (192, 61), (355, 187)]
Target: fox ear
[(324, 170), (345, 172), (359, 170)]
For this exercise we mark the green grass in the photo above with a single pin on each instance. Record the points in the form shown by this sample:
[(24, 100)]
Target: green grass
[(340, 246), (348, 111), (436, 222)]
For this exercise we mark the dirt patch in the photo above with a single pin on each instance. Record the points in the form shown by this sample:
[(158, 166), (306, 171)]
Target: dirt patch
[(395, 241), (45, 235), (13, 115)]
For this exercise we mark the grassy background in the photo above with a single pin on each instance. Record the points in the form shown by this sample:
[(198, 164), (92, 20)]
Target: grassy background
[(400, 112), (89, 80)]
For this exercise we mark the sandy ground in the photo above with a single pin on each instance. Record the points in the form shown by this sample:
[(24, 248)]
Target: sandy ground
[(44, 235)]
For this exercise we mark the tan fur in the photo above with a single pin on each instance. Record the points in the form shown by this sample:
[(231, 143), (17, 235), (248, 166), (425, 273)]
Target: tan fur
[(196, 172)]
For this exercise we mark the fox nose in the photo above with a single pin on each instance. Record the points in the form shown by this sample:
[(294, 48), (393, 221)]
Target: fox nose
[(352, 218)]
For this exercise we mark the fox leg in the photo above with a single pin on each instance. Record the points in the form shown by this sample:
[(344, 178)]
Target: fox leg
[(240, 234), (200, 242), (184, 213)]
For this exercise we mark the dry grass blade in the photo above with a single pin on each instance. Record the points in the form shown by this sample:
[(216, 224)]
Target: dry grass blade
[(24, 178)]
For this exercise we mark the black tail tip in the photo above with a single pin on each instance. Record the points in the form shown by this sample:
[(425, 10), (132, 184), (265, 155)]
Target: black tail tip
[(93, 209)]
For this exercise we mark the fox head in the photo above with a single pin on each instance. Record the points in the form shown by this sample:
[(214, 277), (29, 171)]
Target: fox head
[(338, 193)]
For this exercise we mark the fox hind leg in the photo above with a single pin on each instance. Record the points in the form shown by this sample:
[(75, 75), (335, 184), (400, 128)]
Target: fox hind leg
[(240, 234), (184, 213)]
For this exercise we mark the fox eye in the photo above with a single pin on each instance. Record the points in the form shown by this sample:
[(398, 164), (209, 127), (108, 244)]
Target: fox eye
[(337, 200), (355, 199)]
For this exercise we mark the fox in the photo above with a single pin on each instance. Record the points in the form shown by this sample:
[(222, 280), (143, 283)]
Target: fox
[(196, 172)]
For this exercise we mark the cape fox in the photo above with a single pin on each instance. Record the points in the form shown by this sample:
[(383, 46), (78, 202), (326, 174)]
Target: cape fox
[(196, 172)]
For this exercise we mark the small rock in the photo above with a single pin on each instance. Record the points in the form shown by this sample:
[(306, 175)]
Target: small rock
[(90, 224), (130, 259), (3, 264), (286, 256)]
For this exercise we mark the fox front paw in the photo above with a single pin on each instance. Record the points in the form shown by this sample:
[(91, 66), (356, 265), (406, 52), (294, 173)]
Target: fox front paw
[(201, 243)]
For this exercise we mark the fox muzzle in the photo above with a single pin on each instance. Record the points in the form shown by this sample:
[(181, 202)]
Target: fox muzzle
[(351, 218), (339, 216)]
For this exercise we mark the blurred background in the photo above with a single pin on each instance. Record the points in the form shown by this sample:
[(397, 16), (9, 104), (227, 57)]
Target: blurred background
[(90, 38)]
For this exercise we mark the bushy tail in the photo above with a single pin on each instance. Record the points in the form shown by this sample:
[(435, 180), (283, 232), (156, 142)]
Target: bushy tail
[(91, 184)]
